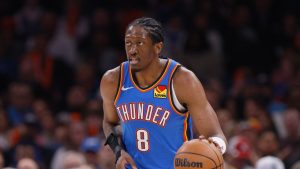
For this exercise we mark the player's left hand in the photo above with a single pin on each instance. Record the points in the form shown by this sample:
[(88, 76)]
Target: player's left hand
[(125, 159)]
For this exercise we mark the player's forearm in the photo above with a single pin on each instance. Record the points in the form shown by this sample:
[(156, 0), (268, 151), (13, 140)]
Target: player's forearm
[(112, 137), (108, 128)]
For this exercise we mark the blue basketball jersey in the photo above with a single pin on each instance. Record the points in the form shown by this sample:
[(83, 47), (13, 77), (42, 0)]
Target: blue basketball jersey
[(153, 128)]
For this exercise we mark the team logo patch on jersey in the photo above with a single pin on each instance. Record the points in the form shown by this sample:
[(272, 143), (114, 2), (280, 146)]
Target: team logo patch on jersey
[(160, 92)]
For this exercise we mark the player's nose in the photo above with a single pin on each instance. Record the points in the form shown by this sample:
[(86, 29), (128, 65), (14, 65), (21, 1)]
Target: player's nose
[(132, 51)]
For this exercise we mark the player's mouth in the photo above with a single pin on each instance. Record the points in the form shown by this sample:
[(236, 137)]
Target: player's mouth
[(134, 61)]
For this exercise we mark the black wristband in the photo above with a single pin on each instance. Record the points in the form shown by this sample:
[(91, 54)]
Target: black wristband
[(118, 154), (112, 141)]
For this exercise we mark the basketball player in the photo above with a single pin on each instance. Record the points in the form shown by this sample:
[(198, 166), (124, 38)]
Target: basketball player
[(154, 100)]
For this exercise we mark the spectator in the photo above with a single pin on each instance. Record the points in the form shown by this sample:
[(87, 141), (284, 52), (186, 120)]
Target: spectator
[(296, 165), (72, 160), (20, 100), (75, 135), (269, 162), (90, 148), (290, 152), (27, 163), (72, 27), (240, 153), (4, 131), (27, 20), (1, 160), (268, 143), (107, 158)]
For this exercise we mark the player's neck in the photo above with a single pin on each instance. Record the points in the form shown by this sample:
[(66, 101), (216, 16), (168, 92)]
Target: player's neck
[(149, 75)]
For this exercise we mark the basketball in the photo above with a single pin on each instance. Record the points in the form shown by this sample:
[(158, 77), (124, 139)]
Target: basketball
[(198, 153)]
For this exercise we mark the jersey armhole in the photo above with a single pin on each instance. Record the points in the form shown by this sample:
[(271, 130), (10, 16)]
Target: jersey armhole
[(174, 101)]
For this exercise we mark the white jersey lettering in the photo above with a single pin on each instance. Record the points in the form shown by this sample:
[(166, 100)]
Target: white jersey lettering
[(142, 111)]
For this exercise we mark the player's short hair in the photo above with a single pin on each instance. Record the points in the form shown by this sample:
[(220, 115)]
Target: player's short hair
[(152, 26)]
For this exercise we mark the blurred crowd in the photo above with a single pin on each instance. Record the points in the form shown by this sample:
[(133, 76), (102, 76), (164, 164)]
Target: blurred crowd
[(54, 52)]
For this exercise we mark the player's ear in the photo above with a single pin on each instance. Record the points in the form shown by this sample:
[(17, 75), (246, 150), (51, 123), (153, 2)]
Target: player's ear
[(158, 47)]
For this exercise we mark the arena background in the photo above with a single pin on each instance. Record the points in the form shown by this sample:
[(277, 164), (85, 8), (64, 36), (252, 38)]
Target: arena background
[(54, 52)]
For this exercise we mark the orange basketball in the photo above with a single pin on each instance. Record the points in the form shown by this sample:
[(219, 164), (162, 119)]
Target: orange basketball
[(198, 153)]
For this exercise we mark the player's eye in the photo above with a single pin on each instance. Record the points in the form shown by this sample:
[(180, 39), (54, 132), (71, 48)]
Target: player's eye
[(140, 43), (127, 43)]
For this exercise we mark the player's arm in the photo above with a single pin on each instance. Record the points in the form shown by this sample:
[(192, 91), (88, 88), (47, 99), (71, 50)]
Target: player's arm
[(111, 127), (108, 90), (190, 92)]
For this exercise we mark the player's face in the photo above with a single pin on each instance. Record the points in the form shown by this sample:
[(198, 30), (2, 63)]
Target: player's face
[(140, 49)]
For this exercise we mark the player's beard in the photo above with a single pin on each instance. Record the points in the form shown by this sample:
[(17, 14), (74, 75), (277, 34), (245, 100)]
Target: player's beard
[(135, 69)]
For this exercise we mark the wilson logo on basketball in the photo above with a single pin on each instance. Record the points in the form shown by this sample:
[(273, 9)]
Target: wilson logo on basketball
[(160, 92), (183, 162)]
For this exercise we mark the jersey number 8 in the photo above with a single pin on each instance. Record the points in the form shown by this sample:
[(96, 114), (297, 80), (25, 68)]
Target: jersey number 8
[(142, 139)]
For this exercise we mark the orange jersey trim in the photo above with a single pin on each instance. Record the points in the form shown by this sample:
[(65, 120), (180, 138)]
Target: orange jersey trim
[(186, 114), (155, 84), (169, 93), (120, 83), (185, 137)]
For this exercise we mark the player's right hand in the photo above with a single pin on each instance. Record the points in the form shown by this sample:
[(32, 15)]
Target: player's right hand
[(124, 160), (210, 141)]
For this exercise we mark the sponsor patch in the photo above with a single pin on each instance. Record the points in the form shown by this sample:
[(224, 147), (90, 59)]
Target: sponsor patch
[(160, 92)]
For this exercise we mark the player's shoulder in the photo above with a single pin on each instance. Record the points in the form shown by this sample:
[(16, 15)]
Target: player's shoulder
[(186, 85), (111, 76), (109, 83), (112, 73), (184, 75)]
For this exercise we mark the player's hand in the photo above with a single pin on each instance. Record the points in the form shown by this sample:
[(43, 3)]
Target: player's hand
[(202, 137), (124, 160), (210, 141)]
